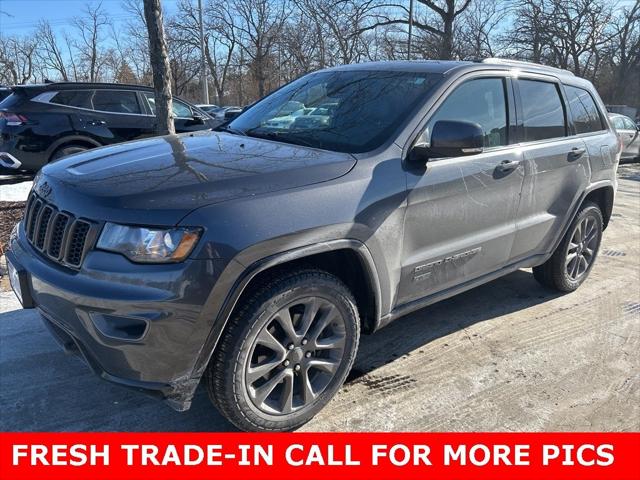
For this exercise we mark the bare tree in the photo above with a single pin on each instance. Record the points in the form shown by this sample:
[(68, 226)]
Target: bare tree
[(17, 56), (578, 29), (625, 54), (50, 52), (445, 12), (260, 23), (477, 31), (159, 66), (90, 27), (220, 38), (527, 39)]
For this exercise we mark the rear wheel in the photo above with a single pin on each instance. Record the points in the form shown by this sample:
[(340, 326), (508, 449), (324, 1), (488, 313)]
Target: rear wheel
[(572, 261), (67, 150), (286, 353)]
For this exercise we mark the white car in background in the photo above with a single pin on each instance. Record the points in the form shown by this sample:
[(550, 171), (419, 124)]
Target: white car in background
[(629, 134)]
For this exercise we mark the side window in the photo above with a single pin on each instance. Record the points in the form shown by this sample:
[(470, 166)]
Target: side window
[(73, 98), (481, 101), (583, 110), (617, 123), (116, 101), (179, 108), (542, 111), (628, 123)]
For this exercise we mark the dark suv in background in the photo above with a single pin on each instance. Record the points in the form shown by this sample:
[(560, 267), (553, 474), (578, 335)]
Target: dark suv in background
[(253, 257), (42, 123)]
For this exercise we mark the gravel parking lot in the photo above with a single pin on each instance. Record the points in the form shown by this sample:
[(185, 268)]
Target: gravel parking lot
[(506, 356)]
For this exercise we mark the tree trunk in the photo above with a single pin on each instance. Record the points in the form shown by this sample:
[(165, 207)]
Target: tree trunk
[(446, 47), (160, 67)]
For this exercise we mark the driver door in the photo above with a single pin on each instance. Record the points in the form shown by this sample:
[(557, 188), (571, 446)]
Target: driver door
[(460, 221)]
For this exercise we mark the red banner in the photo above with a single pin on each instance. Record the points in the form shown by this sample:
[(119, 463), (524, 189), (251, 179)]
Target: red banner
[(97, 456)]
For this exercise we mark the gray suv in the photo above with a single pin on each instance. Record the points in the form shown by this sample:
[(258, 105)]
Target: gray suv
[(253, 257)]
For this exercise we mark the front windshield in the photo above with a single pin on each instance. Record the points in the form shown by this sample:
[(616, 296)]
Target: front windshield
[(345, 111)]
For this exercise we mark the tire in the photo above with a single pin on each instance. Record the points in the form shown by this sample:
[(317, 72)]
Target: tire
[(247, 363), (67, 150), (571, 263)]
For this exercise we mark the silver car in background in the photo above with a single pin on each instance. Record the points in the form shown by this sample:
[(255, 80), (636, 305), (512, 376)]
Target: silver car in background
[(629, 134)]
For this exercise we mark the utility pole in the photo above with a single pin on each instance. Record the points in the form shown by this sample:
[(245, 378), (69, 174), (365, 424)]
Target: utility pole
[(410, 29), (203, 65)]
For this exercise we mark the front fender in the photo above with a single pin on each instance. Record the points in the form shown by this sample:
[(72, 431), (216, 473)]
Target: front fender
[(235, 278)]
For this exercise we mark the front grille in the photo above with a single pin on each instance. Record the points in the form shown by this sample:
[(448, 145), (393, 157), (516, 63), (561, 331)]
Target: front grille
[(58, 235)]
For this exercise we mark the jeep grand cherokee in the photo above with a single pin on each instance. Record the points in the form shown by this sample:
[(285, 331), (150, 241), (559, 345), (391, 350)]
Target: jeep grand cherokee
[(253, 257)]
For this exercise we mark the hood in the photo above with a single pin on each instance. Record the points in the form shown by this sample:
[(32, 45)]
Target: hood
[(169, 176)]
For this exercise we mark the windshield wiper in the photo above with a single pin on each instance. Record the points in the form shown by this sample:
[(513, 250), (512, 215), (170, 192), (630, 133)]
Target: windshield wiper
[(228, 129), (280, 137)]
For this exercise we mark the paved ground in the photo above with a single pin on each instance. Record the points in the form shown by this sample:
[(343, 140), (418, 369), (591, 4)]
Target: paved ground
[(505, 356)]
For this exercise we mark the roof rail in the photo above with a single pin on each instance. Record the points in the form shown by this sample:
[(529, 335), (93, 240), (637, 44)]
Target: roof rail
[(521, 63)]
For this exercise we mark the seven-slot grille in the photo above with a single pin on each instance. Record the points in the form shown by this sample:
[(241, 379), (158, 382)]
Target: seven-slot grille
[(58, 235)]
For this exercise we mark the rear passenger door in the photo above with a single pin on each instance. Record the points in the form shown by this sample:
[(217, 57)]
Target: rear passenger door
[(556, 162), (116, 116)]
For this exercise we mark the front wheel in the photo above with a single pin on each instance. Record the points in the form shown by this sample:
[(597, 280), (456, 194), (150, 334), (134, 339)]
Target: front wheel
[(285, 352), (572, 261)]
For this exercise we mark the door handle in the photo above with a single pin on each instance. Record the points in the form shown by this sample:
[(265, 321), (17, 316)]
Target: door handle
[(576, 152), (507, 165)]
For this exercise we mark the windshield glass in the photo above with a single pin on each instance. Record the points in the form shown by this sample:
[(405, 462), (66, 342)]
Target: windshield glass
[(344, 111)]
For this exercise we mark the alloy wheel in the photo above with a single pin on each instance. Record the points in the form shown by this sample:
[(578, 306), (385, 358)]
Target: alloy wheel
[(295, 356), (582, 248)]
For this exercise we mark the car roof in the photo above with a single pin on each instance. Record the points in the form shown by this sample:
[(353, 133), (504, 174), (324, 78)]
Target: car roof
[(449, 66), (42, 87), (427, 66), (614, 114)]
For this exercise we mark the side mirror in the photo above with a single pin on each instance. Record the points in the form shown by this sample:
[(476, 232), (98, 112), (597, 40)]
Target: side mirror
[(198, 119), (450, 138), (231, 114)]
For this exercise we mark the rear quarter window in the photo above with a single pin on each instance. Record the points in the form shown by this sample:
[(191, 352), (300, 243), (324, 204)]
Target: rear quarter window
[(542, 110), (584, 112), (73, 98)]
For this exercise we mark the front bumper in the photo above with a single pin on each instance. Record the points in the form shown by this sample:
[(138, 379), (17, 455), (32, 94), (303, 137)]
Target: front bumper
[(140, 326)]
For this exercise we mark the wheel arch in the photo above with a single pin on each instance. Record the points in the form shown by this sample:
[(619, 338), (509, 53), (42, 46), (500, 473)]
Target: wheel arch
[(349, 260), (603, 197), (71, 140)]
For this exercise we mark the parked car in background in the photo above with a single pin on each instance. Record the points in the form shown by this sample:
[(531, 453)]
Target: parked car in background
[(629, 133), (253, 257), (208, 108), (43, 123), (224, 114)]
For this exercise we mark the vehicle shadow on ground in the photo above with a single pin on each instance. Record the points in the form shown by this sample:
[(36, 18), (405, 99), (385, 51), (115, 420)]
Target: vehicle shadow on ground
[(43, 389), (512, 293)]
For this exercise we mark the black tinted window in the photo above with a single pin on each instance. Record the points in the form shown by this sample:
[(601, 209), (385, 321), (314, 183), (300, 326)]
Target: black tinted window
[(346, 111), (116, 101), (543, 115), (583, 110), (73, 98), (481, 101)]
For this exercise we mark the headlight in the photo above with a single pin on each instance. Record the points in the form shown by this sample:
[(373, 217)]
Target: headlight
[(148, 244)]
